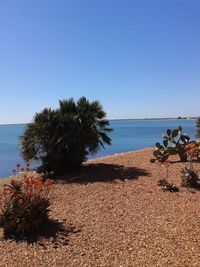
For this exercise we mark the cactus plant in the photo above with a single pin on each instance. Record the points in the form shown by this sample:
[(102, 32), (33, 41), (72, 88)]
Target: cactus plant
[(174, 142)]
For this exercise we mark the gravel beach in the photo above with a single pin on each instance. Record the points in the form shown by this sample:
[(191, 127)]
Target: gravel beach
[(112, 213)]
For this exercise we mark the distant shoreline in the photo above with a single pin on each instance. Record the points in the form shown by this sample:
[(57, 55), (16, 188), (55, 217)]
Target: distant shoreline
[(136, 119), (156, 119)]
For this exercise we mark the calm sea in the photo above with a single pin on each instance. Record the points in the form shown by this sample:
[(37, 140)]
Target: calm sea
[(127, 135)]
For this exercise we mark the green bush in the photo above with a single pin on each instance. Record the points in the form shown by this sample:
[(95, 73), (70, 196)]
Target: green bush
[(25, 206), (62, 138)]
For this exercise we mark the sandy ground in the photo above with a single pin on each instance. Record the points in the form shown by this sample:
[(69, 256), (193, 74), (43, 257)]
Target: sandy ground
[(113, 213)]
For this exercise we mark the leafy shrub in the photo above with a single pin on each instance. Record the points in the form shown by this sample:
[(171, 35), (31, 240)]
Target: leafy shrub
[(174, 142), (25, 205), (62, 139), (166, 186)]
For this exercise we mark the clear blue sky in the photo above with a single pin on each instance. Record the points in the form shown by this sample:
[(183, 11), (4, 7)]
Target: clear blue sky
[(140, 58)]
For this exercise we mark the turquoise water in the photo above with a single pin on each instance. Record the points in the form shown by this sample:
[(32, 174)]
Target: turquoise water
[(127, 135)]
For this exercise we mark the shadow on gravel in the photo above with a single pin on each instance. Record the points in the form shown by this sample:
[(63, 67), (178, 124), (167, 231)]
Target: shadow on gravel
[(102, 172), (52, 233), (193, 189)]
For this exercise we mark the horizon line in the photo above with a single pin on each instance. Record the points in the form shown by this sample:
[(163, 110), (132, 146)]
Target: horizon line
[(121, 119)]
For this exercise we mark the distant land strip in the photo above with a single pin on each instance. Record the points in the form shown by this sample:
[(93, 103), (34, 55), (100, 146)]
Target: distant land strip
[(159, 119), (135, 119)]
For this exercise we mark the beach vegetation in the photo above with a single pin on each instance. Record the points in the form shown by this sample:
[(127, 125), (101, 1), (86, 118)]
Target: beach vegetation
[(164, 183), (198, 129), (62, 138), (174, 143), (25, 205), (189, 177), (167, 186)]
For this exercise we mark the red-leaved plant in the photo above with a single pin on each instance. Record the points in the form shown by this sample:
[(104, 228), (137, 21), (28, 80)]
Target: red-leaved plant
[(26, 204)]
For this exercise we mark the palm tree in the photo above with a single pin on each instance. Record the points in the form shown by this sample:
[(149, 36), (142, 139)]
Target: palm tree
[(62, 139)]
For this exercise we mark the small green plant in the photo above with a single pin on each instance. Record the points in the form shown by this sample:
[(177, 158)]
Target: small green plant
[(164, 183), (166, 186), (174, 142), (25, 205), (189, 177)]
